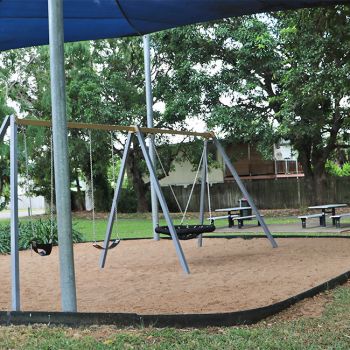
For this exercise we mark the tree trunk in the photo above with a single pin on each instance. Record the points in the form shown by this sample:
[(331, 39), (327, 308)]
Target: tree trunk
[(315, 178), (140, 188), (320, 183), (103, 194), (78, 198)]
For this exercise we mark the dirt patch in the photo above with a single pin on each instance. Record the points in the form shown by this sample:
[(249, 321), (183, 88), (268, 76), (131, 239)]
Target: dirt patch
[(144, 276)]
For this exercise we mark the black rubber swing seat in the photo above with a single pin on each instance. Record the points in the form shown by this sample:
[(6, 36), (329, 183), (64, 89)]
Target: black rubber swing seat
[(111, 246), (43, 249), (185, 232)]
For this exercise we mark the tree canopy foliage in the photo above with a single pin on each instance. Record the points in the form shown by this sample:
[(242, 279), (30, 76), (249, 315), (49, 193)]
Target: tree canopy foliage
[(269, 77), (256, 79), (104, 84)]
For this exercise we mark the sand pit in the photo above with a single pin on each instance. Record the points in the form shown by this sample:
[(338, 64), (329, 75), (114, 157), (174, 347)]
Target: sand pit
[(144, 276)]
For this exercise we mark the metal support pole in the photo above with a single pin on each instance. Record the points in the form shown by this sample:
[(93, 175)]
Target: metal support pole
[(203, 188), (163, 203), (150, 124), (61, 163), (4, 126), (244, 191), (116, 196), (16, 303)]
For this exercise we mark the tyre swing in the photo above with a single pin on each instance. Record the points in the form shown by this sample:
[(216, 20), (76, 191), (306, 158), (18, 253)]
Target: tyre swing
[(187, 231), (42, 249), (113, 242)]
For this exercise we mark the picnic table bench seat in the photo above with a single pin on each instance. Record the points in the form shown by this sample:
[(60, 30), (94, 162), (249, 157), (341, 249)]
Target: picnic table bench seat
[(240, 219), (303, 218), (213, 218), (337, 218)]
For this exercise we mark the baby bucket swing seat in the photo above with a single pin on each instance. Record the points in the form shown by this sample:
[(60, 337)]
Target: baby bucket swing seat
[(42, 249)]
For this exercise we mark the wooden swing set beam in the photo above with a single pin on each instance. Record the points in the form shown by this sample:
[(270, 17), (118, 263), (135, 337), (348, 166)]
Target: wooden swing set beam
[(109, 127)]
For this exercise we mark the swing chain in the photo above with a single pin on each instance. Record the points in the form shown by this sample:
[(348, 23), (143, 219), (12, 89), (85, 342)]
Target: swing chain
[(114, 181), (208, 186), (192, 189), (164, 172), (27, 179), (183, 213), (92, 188)]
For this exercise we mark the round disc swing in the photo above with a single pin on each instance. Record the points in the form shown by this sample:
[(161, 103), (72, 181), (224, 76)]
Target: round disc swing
[(186, 232), (183, 231), (113, 242), (42, 249)]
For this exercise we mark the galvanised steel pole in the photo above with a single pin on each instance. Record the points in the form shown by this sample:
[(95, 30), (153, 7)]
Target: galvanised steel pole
[(150, 124), (61, 163), (15, 289)]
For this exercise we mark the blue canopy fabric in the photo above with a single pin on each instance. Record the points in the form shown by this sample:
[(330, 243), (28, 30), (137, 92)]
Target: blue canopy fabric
[(24, 23)]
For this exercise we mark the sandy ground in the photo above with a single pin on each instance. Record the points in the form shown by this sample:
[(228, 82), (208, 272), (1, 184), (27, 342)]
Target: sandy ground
[(144, 276)]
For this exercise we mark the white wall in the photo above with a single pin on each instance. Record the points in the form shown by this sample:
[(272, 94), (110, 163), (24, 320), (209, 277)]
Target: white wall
[(184, 175), (285, 151), (37, 202)]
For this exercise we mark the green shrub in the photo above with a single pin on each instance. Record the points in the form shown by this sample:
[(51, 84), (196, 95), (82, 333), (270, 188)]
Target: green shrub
[(127, 201), (37, 230), (5, 239), (336, 170)]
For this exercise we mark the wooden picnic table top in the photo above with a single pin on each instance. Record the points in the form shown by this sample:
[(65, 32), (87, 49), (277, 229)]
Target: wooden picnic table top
[(328, 206), (232, 209)]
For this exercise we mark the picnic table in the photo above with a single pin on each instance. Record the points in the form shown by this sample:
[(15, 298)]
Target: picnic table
[(230, 212), (328, 208)]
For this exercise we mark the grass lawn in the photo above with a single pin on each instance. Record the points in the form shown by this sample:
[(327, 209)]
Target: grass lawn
[(140, 225), (331, 330), (126, 228)]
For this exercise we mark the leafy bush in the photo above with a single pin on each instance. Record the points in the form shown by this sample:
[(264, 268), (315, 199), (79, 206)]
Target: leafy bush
[(336, 170), (127, 201), (37, 230), (5, 240)]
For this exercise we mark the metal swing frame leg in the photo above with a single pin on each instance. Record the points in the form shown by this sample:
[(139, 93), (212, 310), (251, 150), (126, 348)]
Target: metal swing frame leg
[(15, 283), (244, 191), (202, 195), (4, 126), (116, 197), (162, 202)]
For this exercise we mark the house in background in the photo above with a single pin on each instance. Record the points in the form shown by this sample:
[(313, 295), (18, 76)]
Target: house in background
[(248, 161), (37, 203), (251, 165)]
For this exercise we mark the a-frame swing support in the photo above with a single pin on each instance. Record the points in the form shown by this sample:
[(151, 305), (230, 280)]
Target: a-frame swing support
[(160, 196), (13, 123), (154, 180)]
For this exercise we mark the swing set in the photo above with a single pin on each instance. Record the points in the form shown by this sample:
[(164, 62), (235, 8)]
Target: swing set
[(176, 232)]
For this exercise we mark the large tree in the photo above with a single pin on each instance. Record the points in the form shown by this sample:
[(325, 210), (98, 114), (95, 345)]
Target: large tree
[(105, 84), (268, 77), (315, 86)]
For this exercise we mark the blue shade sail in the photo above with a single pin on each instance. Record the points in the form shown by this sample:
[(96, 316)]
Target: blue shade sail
[(24, 23)]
